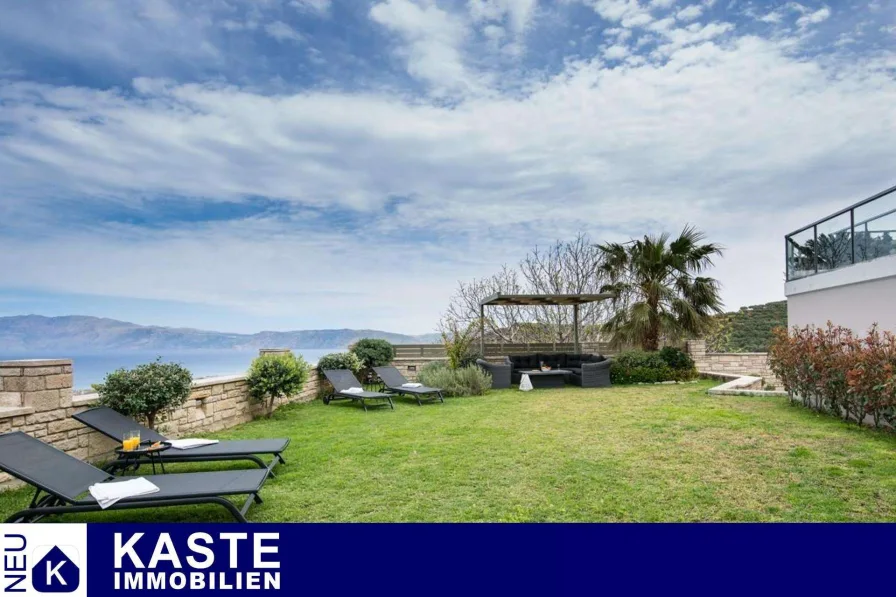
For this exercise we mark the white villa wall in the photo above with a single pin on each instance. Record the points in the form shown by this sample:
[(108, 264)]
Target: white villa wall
[(856, 297)]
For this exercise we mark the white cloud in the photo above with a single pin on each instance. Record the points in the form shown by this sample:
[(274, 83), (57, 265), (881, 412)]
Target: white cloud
[(318, 7), (773, 17), (689, 13), (518, 13), (433, 43), (282, 32), (622, 10), (746, 137), (662, 3), (616, 52), (813, 18)]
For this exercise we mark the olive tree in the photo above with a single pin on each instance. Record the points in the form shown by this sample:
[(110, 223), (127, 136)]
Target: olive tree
[(276, 376), (146, 390)]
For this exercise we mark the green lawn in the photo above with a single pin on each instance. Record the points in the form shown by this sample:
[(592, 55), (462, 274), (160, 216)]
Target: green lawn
[(641, 453)]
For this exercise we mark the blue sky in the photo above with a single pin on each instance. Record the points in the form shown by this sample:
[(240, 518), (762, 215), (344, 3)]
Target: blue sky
[(281, 164)]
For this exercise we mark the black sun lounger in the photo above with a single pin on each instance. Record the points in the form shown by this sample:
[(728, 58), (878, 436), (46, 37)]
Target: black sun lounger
[(61, 482), (343, 379), (114, 425), (394, 381)]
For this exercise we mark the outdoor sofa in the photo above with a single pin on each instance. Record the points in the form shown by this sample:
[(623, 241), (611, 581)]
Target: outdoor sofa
[(396, 383), (586, 370), (114, 425), (500, 373), (342, 380), (61, 483)]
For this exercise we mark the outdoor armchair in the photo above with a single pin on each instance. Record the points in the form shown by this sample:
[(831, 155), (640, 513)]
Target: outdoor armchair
[(500, 373), (595, 373)]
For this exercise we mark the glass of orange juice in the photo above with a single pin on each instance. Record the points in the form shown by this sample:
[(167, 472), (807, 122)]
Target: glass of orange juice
[(131, 440)]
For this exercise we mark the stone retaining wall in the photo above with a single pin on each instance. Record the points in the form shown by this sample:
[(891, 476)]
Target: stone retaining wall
[(741, 363)]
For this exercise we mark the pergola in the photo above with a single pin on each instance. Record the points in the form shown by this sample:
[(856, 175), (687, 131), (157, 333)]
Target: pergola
[(540, 300)]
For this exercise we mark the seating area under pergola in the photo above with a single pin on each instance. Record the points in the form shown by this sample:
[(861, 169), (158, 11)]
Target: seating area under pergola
[(540, 300)]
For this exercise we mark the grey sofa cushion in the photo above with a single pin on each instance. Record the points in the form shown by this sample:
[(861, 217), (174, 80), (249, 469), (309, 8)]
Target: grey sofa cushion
[(573, 360)]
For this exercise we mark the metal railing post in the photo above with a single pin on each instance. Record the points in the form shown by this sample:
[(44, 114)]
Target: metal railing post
[(815, 248), (852, 232)]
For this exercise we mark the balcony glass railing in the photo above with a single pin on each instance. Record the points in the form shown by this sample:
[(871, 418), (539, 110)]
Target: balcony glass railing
[(862, 232)]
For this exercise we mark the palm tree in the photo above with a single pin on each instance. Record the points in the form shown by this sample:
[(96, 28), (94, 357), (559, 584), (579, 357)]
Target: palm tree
[(658, 291)]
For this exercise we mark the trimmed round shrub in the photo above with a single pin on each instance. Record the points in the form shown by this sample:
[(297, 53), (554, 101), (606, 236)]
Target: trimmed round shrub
[(340, 360), (676, 358), (146, 390), (373, 352), (471, 380), (640, 366), (273, 376)]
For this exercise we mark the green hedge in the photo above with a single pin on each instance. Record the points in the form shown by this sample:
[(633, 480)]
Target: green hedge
[(638, 366)]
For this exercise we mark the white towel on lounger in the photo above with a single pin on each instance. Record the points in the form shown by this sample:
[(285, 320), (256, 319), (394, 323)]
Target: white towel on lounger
[(107, 494), (353, 391), (187, 443), (412, 385)]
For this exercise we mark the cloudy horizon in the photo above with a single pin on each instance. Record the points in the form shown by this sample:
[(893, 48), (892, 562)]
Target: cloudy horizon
[(307, 164)]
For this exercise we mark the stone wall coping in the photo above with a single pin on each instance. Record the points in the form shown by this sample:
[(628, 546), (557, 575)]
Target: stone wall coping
[(36, 363), (15, 411), (738, 385), (88, 399), (211, 381), (85, 399), (737, 354)]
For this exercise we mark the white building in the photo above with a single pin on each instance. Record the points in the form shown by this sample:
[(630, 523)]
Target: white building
[(843, 268)]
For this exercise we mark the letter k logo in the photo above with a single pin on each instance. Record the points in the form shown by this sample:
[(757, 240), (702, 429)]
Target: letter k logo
[(56, 572)]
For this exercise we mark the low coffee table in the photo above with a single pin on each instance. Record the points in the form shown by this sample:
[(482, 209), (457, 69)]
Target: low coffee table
[(132, 458), (555, 378)]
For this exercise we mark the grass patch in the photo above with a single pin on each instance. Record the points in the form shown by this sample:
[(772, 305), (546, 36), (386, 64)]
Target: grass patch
[(640, 453)]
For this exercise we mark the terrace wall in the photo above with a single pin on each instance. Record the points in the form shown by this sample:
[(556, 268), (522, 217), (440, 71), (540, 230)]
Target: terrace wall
[(742, 363), (36, 397)]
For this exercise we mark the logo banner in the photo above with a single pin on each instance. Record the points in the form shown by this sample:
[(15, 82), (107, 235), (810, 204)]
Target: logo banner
[(426, 559)]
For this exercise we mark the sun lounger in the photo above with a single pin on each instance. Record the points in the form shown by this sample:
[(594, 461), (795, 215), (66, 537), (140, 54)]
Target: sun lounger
[(343, 380), (396, 383), (61, 482), (114, 425)]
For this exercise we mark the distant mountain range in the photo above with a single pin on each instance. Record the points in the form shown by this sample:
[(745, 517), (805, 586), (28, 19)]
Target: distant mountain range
[(82, 334)]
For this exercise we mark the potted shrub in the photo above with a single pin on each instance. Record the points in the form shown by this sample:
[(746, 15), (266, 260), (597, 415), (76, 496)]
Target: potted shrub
[(276, 376), (146, 390)]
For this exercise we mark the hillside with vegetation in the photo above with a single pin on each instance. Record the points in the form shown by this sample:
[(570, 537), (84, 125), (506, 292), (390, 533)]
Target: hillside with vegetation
[(749, 329)]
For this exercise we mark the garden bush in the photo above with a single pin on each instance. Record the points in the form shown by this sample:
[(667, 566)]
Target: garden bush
[(458, 344), (677, 359), (470, 380), (639, 366), (146, 390), (373, 352), (831, 370), (276, 376), (340, 360)]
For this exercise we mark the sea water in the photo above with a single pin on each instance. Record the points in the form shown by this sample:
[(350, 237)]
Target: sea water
[(92, 368)]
